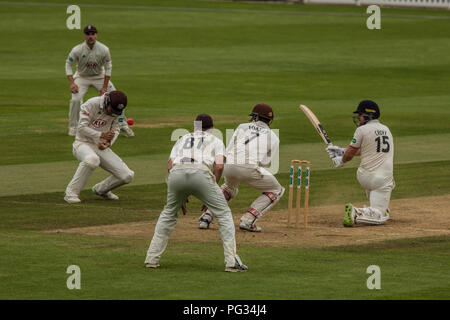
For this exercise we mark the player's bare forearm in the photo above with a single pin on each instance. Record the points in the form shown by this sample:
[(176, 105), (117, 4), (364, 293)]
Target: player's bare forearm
[(104, 145), (108, 136), (73, 85), (218, 170), (349, 154), (105, 85), (170, 165)]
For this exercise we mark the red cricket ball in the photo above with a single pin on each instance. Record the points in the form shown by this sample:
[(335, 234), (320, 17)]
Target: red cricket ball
[(130, 121)]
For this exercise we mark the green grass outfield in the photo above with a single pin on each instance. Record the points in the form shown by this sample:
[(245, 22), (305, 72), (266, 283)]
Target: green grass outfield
[(175, 59)]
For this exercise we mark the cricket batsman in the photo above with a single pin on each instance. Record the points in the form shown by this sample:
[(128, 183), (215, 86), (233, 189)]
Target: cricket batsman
[(249, 152), (97, 130), (94, 67), (372, 141)]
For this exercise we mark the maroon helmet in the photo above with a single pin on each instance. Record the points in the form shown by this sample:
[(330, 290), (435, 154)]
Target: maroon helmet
[(262, 110), (118, 101)]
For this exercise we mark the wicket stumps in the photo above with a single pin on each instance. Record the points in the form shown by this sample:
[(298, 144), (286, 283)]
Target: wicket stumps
[(299, 187)]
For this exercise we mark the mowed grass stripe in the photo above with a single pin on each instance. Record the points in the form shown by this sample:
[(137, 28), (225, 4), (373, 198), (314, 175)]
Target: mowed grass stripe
[(152, 169), (113, 269), (48, 211)]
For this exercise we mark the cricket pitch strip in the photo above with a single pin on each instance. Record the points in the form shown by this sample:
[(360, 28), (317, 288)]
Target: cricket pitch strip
[(410, 218)]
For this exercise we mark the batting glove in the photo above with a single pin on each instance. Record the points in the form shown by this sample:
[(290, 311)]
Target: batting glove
[(335, 151), (337, 161)]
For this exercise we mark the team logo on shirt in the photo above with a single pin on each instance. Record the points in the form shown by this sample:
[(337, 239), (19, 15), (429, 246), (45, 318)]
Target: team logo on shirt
[(98, 123), (91, 65), (354, 140)]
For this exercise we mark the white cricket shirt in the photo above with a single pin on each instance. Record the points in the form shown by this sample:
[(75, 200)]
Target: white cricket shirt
[(252, 143), (90, 62), (198, 147), (377, 146), (94, 120)]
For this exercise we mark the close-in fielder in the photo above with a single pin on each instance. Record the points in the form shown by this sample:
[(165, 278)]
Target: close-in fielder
[(373, 141), (249, 152), (94, 67), (97, 130), (195, 166)]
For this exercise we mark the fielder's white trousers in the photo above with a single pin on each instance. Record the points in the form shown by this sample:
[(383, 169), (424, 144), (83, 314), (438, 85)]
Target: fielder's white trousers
[(183, 181), (378, 185), (84, 83), (91, 157)]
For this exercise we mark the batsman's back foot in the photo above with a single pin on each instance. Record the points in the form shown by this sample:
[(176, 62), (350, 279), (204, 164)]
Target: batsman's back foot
[(349, 218)]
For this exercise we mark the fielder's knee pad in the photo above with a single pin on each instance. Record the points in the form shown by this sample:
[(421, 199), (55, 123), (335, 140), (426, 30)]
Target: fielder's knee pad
[(92, 161)]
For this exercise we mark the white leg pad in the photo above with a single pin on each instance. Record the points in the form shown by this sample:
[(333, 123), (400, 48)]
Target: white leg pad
[(370, 215)]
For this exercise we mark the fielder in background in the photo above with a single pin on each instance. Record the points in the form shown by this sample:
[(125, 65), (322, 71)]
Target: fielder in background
[(94, 67), (195, 166), (373, 141), (97, 130), (250, 150)]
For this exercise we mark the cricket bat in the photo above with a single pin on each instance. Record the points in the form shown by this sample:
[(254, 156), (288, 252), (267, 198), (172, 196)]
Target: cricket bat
[(316, 123)]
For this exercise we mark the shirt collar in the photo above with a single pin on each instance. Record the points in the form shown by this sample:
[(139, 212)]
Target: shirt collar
[(262, 124), (86, 45)]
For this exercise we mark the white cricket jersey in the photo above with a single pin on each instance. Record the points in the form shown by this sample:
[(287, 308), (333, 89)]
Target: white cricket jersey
[(90, 62), (252, 143), (94, 120), (377, 146), (198, 147)]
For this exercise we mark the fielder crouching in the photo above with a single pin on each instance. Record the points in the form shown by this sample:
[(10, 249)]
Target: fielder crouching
[(97, 130), (249, 152), (195, 166)]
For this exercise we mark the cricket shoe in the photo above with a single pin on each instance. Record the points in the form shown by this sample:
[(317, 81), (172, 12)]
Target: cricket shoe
[(152, 265), (127, 132), (72, 131), (107, 196), (205, 220), (72, 199), (238, 267), (350, 214), (249, 226)]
